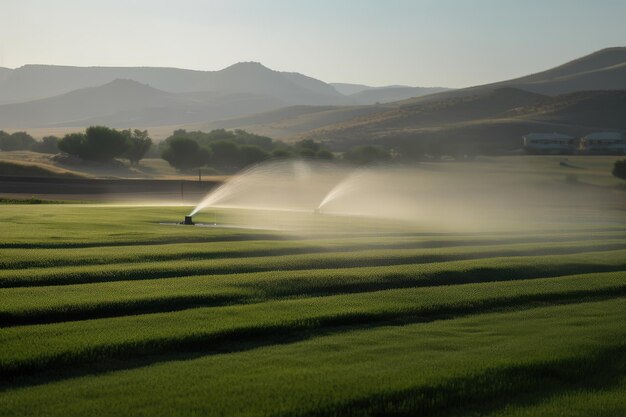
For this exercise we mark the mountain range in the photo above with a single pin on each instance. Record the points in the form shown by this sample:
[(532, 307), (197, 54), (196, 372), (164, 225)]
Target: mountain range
[(44, 95), (578, 97), (585, 94)]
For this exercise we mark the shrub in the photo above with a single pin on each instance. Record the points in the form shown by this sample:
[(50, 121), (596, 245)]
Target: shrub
[(98, 143), (183, 153), (49, 144), (225, 155), (16, 141), (138, 145), (619, 169), (72, 143), (251, 154), (281, 154)]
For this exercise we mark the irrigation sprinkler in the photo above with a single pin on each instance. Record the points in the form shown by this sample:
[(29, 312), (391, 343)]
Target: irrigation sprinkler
[(188, 221)]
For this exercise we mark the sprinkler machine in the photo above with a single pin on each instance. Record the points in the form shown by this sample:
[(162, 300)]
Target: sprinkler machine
[(188, 221)]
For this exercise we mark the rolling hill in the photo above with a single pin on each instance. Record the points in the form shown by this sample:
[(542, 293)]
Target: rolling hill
[(122, 103), (506, 109), (36, 96), (602, 70), (364, 94), (292, 106), (32, 82), (577, 97), (5, 73), (604, 108), (290, 122), (496, 117)]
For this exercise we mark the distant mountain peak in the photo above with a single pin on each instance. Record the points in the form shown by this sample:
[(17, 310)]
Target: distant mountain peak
[(247, 65), (610, 49), (125, 82)]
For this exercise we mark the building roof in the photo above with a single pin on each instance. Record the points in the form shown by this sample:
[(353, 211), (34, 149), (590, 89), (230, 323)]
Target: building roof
[(553, 135), (604, 135)]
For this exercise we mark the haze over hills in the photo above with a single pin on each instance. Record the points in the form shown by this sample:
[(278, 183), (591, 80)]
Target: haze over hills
[(348, 89), (32, 82), (4, 73), (43, 95), (363, 94), (487, 112), (495, 117), (291, 105), (125, 103), (391, 94), (602, 70), (586, 108), (289, 122)]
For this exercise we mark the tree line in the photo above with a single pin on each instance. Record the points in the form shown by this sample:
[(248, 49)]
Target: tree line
[(229, 151), (223, 150), (100, 143), (22, 141), (97, 143)]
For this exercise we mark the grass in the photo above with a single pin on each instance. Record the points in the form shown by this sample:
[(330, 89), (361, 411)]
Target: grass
[(33, 200), (104, 310), (199, 328), (356, 370)]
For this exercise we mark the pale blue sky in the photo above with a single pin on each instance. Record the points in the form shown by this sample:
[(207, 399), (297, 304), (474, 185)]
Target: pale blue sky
[(417, 42)]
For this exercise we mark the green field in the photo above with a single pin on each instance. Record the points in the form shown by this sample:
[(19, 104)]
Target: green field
[(106, 310)]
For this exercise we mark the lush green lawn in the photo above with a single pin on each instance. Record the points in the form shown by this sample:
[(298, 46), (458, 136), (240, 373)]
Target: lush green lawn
[(105, 310)]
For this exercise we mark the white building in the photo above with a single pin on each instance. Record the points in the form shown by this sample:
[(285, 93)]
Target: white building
[(603, 142), (549, 143)]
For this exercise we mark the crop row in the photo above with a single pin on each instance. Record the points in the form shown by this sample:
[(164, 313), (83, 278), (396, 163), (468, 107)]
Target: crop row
[(421, 366), (40, 258), (413, 260), (34, 348), (38, 304)]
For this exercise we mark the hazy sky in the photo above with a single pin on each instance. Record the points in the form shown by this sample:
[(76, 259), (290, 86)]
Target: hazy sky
[(416, 42)]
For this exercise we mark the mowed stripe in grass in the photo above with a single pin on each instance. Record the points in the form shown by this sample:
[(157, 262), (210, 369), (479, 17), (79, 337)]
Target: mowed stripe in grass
[(31, 349), (604, 396), (43, 258), (40, 304), (324, 261), (420, 369), (94, 226)]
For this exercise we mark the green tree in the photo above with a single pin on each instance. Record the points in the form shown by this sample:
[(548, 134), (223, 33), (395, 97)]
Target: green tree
[(226, 155), (104, 144), (98, 143), (138, 145), (619, 169), (3, 136), (281, 153), (72, 143), (309, 144), (49, 144), (251, 154), (183, 153), (17, 141)]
